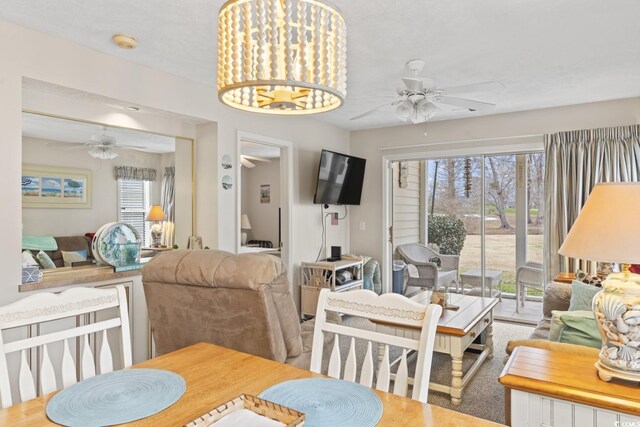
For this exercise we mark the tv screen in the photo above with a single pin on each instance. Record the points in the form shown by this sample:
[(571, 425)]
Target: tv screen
[(340, 179)]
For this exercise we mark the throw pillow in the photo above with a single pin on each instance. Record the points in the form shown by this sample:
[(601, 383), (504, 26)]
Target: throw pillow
[(575, 327), (582, 296), (70, 257), (45, 260), (28, 260)]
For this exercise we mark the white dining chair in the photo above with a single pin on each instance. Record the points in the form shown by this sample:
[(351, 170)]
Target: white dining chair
[(46, 307), (391, 308)]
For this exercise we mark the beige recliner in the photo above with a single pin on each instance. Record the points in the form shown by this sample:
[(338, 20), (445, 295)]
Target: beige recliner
[(240, 302)]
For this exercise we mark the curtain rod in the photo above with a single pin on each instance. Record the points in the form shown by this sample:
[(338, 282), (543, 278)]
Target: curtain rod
[(499, 138)]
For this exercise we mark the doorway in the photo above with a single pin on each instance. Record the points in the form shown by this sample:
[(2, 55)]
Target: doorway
[(484, 209), (264, 196)]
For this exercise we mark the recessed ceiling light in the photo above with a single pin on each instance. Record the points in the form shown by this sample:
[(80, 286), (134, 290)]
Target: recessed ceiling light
[(131, 108), (124, 41)]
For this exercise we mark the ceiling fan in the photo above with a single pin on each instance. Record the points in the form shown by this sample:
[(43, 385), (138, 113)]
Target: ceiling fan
[(101, 146), (418, 99), (245, 160)]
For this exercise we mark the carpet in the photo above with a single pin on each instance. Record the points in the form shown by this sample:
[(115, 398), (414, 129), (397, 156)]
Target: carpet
[(483, 397)]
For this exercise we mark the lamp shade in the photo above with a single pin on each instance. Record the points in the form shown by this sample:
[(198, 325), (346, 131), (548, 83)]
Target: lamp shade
[(156, 214), (607, 228), (244, 222)]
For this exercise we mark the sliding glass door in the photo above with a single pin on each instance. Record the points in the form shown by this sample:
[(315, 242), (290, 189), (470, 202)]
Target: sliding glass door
[(485, 209)]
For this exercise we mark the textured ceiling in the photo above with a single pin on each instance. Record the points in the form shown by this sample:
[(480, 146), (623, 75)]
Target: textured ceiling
[(63, 130), (259, 150), (546, 52)]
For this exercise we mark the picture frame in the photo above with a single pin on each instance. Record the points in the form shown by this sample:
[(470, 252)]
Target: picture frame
[(265, 193), (56, 187)]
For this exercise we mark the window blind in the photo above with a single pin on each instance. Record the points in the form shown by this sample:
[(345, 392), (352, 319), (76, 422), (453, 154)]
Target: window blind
[(133, 205)]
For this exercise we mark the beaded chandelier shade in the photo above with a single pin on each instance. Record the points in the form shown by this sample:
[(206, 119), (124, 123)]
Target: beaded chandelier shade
[(281, 56)]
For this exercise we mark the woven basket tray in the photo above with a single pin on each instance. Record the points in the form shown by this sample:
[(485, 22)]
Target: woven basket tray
[(262, 407)]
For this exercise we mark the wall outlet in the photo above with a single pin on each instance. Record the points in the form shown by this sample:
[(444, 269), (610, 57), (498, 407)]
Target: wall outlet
[(334, 218), (363, 226)]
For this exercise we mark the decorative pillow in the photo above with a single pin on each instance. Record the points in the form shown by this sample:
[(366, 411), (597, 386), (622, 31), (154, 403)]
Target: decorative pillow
[(28, 260), (45, 260), (582, 296), (575, 327), (436, 261), (70, 257)]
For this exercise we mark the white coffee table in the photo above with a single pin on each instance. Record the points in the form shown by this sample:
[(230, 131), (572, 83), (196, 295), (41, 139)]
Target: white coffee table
[(473, 278), (455, 333)]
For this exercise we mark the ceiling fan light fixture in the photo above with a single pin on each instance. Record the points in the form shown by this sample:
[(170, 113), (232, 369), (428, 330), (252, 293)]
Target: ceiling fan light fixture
[(281, 56), (405, 110), (426, 109), (103, 153)]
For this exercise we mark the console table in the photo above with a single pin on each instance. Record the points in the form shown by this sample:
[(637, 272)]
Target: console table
[(554, 389)]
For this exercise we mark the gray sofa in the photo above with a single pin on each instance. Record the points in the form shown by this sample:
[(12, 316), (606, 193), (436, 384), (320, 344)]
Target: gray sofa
[(557, 296)]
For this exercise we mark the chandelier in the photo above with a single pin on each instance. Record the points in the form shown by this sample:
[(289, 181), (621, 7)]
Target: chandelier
[(281, 56)]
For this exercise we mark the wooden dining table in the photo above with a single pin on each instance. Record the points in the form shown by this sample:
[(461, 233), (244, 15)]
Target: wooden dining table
[(215, 375)]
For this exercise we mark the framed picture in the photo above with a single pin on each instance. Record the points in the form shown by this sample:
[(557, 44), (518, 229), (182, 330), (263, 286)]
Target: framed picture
[(265, 193), (55, 187)]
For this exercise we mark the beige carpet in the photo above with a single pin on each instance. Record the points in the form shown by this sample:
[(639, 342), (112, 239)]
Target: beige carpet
[(483, 396)]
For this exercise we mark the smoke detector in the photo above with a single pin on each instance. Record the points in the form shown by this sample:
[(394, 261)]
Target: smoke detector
[(124, 41)]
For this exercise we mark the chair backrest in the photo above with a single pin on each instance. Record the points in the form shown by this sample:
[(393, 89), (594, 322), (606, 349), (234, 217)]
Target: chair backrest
[(46, 307), (390, 308), (415, 252)]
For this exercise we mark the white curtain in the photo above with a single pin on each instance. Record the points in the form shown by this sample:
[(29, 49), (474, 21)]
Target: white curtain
[(167, 201), (575, 162)]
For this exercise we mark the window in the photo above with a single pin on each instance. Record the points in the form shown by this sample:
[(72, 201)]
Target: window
[(134, 202)]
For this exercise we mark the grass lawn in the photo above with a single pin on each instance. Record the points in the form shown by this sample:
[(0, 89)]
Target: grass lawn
[(500, 255)]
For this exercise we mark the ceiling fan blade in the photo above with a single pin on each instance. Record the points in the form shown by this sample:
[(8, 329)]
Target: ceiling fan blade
[(466, 103), (258, 159), (475, 87), (359, 116), (246, 163)]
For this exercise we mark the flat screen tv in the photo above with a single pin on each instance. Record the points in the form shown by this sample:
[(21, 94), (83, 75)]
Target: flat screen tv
[(340, 179)]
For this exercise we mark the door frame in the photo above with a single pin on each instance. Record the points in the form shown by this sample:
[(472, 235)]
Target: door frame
[(286, 192), (462, 149)]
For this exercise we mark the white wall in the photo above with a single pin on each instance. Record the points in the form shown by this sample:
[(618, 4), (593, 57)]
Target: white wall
[(262, 216), (104, 206), (34, 55), (488, 134)]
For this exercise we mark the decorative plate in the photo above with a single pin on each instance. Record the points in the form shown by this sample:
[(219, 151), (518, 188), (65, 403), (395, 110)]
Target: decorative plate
[(116, 398), (328, 402), (117, 244)]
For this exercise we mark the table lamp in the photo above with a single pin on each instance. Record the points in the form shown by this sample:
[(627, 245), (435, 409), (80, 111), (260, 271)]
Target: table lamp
[(608, 230), (244, 225), (155, 215)]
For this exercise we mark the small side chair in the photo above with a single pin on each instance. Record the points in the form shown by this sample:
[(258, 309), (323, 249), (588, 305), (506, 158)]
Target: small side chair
[(46, 307), (392, 308)]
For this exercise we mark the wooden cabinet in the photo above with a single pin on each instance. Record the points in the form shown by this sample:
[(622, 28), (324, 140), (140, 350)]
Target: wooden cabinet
[(318, 275), (553, 389)]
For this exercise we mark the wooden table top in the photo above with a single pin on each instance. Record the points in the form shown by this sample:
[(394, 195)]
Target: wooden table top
[(215, 375), (459, 322), (567, 376)]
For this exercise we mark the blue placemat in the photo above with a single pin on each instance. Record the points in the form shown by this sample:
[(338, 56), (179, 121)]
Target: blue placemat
[(116, 398), (328, 402)]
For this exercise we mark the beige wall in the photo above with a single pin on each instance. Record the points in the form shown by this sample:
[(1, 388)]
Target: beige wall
[(104, 207), (263, 216), (34, 55), (408, 205), (488, 134)]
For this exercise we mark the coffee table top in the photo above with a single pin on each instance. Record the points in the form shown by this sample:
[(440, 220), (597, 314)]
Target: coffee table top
[(458, 322), (475, 272)]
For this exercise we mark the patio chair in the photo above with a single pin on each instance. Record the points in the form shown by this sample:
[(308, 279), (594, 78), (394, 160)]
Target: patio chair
[(424, 273), (529, 275)]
